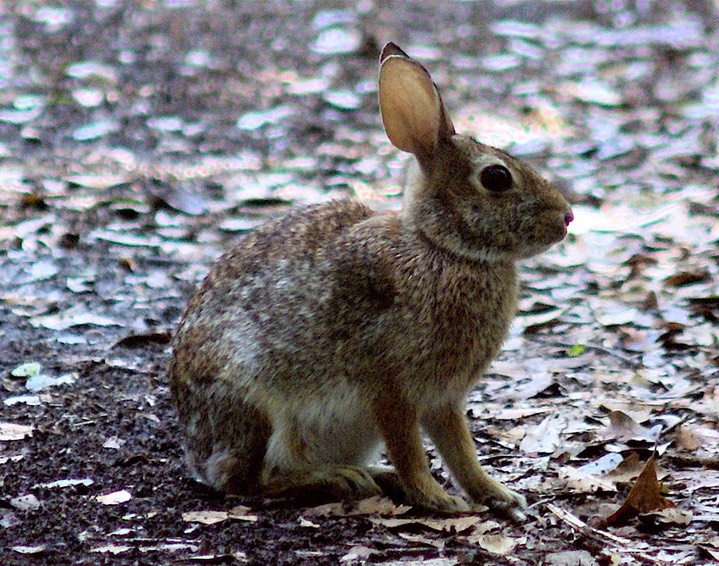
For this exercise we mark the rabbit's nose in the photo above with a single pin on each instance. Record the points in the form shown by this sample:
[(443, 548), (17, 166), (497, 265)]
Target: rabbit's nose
[(568, 217)]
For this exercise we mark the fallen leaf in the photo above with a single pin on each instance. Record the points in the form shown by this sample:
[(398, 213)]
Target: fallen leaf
[(376, 505), (582, 482), (358, 553), (691, 438), (29, 549), (15, 458), (39, 382), (628, 469), (496, 544), (141, 340), (70, 318), (113, 443), (644, 497), (64, 483), (238, 513), (97, 181), (570, 557), (111, 549), (306, 523), (624, 427), (687, 278), (613, 313), (12, 431), (516, 413), (30, 400), (205, 517), (28, 369), (114, 498), (545, 437), (379, 505), (533, 321), (668, 516), (603, 465), (26, 502), (170, 547), (576, 350)]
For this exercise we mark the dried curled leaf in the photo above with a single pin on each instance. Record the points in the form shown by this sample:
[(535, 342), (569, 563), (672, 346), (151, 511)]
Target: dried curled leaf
[(644, 497)]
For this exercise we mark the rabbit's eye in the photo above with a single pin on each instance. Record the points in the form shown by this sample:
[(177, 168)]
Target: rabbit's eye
[(496, 178)]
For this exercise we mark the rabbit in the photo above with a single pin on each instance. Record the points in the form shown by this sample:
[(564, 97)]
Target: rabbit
[(336, 331)]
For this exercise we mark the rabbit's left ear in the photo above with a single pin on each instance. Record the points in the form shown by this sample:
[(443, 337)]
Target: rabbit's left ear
[(412, 110)]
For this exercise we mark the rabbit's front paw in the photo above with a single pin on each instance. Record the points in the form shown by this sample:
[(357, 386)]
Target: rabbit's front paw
[(438, 500), (499, 496), (505, 501)]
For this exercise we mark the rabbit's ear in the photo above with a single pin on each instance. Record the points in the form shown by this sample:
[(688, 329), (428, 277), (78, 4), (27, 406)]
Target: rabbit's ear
[(412, 110)]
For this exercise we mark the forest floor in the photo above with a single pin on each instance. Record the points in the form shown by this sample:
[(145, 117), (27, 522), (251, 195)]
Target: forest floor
[(139, 139)]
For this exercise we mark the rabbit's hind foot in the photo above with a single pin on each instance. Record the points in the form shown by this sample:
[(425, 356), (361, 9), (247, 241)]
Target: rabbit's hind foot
[(332, 483)]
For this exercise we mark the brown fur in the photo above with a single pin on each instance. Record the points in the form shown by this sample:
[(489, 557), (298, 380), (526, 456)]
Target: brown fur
[(336, 329)]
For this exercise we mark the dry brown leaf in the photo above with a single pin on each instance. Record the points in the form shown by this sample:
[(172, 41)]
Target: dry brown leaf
[(238, 513), (687, 278), (377, 505), (669, 516), (689, 438), (624, 427), (629, 469), (584, 483), (205, 517), (241, 513), (644, 497)]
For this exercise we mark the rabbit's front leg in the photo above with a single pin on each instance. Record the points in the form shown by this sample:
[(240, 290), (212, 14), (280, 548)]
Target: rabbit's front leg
[(399, 425), (449, 430)]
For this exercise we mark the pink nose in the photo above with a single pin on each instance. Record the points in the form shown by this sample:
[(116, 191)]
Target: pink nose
[(568, 217)]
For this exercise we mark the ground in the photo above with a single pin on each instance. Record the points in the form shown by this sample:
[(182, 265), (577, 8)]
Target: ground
[(139, 139)]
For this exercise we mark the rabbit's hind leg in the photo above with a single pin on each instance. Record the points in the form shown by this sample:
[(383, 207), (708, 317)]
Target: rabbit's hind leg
[(330, 483), (304, 462), (226, 448)]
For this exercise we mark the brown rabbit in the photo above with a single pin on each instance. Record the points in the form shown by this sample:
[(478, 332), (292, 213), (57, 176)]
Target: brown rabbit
[(336, 330)]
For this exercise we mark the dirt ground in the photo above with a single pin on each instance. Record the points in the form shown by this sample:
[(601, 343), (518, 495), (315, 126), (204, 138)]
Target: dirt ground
[(139, 139)]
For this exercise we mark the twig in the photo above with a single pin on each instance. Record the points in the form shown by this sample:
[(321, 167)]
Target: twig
[(618, 544)]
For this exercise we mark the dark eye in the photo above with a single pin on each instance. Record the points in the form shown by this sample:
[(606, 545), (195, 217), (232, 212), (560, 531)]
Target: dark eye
[(496, 178)]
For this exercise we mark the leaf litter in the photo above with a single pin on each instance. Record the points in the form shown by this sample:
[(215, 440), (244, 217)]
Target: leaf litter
[(130, 171)]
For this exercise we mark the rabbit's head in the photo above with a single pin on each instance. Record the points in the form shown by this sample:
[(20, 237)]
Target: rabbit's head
[(471, 199)]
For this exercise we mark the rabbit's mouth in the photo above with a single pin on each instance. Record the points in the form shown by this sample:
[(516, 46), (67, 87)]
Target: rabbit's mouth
[(560, 228), (552, 231)]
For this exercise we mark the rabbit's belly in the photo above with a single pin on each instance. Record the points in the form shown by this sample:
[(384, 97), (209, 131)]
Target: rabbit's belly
[(333, 430)]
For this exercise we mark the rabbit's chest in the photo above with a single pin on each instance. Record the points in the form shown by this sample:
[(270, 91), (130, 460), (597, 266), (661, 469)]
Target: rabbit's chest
[(466, 321)]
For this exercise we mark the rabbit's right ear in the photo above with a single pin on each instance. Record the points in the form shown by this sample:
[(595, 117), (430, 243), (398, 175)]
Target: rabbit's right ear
[(412, 110)]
